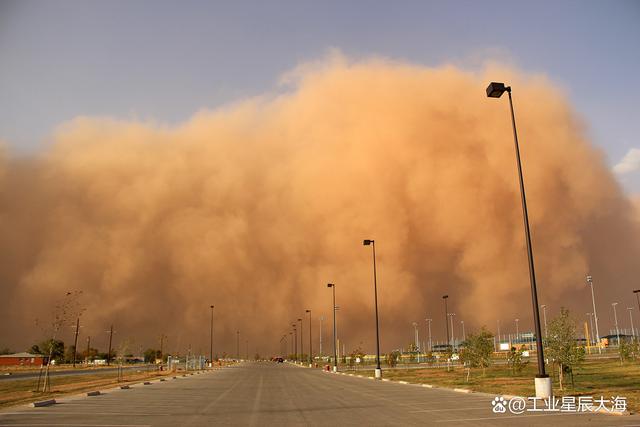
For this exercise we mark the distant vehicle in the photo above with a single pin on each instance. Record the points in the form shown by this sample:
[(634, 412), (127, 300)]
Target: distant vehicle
[(279, 360)]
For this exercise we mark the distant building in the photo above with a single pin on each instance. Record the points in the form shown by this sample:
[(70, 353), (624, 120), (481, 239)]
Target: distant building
[(23, 359)]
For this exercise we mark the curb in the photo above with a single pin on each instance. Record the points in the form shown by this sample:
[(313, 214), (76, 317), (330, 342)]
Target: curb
[(43, 403), (462, 390)]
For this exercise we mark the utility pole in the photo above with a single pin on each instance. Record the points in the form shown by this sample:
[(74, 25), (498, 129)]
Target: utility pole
[(429, 327), (162, 337), (88, 347), (310, 340), (75, 342), (633, 331), (321, 319), (238, 345), (301, 341), (211, 339), (110, 339)]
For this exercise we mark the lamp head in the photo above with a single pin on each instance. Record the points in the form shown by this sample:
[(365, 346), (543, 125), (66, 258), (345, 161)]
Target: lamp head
[(589, 279), (307, 311), (496, 89), (445, 296), (367, 242), (299, 320), (330, 285)]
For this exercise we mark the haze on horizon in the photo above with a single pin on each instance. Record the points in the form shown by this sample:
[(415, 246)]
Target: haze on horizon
[(256, 205)]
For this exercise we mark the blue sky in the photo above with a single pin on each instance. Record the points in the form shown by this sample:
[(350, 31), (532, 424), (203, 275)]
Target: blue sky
[(165, 60)]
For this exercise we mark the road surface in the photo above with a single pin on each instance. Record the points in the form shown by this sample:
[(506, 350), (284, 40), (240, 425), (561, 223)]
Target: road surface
[(269, 394)]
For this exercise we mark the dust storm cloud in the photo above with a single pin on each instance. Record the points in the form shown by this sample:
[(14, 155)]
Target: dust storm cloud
[(255, 206)]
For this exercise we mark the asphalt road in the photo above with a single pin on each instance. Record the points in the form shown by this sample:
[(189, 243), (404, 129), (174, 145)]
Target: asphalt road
[(268, 394), (69, 372)]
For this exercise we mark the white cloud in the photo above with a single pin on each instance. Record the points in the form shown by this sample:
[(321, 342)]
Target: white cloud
[(629, 163)]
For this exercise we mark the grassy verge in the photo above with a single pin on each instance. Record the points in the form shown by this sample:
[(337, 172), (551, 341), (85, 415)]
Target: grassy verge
[(607, 378), (15, 392)]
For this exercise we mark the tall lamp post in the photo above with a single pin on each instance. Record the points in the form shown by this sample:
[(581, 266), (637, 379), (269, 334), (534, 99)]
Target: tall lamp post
[(378, 371), (595, 313), (320, 336), (542, 381), (453, 335), (615, 316), (295, 340), (591, 325), (238, 345), (446, 318), (633, 330), (637, 292), (464, 335), (333, 309), (301, 341), (211, 339), (429, 328), (544, 315), (310, 340)]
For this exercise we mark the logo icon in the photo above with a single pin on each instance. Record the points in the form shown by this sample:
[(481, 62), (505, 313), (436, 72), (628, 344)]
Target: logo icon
[(498, 404)]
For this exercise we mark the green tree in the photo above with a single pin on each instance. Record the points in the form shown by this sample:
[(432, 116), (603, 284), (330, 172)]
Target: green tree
[(562, 346), (516, 363), (355, 354), (68, 354), (478, 349), (629, 350), (392, 358), (52, 347), (150, 355)]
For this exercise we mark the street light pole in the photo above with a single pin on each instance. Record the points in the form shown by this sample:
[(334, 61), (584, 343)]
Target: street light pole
[(464, 335), (301, 341), (446, 319), (333, 308), (415, 333), (595, 313), (633, 331), (542, 381), (321, 319), (429, 327), (378, 371), (591, 326), (615, 316), (544, 315), (637, 292), (238, 345), (211, 339), (517, 329), (310, 341), (295, 340), (453, 335)]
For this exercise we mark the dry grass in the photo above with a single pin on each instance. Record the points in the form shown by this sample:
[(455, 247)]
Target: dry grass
[(14, 392), (595, 378)]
